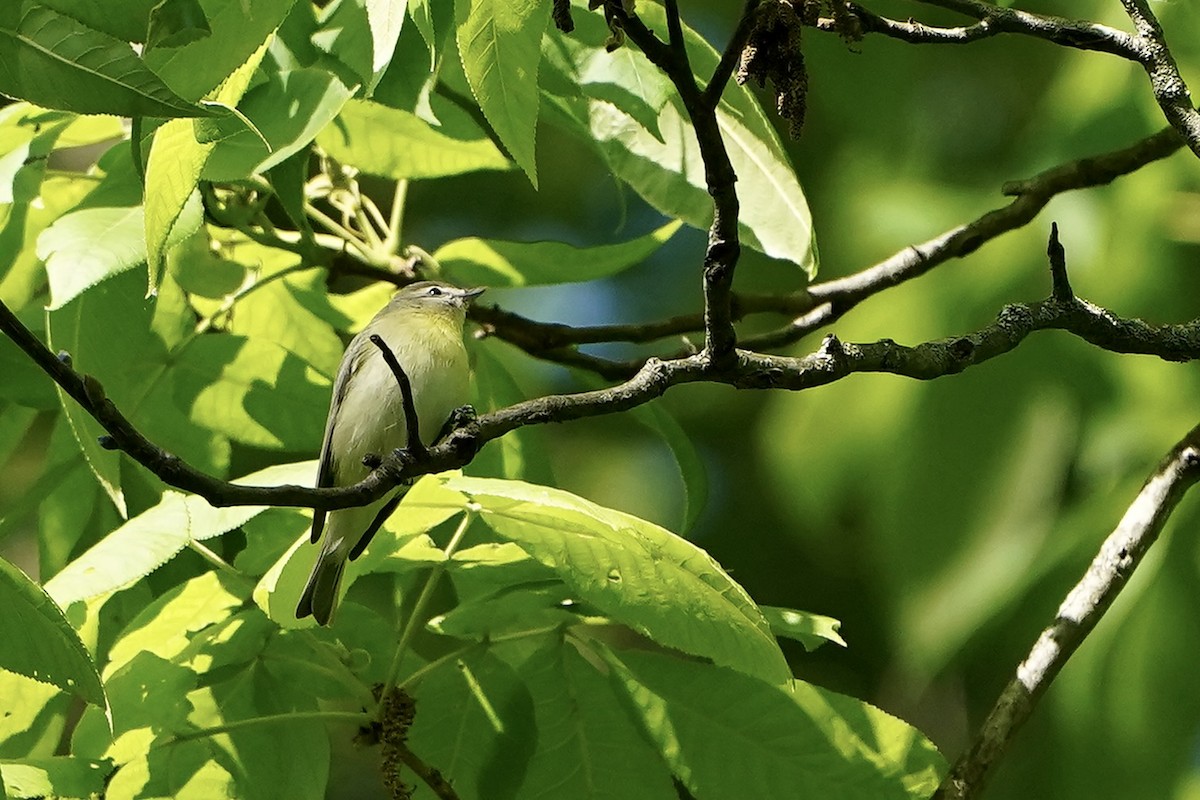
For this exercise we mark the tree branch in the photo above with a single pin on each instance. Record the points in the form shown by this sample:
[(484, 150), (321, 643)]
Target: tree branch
[(992, 21), (1168, 85), (1083, 607), (747, 370), (724, 248), (832, 299)]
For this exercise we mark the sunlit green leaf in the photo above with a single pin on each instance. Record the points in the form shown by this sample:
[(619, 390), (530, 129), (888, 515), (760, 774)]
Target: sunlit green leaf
[(206, 67), (499, 41), (149, 540), (177, 157), (633, 571), (84, 247), (63, 776), (289, 109), (253, 391), (811, 630), (490, 262), (39, 643), (393, 143)]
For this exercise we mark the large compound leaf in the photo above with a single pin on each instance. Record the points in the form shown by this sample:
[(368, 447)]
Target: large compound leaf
[(726, 734), (394, 143), (492, 262), (588, 748), (476, 723), (633, 571), (625, 105), (499, 43), (37, 641), (54, 60)]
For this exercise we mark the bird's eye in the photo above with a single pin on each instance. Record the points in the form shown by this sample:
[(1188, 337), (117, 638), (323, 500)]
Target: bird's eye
[(434, 291)]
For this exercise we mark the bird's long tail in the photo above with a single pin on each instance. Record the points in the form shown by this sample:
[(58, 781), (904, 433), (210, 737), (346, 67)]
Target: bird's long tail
[(321, 593), (347, 533)]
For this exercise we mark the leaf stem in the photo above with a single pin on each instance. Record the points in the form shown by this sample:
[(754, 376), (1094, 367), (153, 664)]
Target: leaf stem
[(441, 661), (360, 717), (396, 217), (414, 619)]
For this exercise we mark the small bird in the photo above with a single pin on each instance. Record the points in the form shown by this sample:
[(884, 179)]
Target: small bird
[(423, 327)]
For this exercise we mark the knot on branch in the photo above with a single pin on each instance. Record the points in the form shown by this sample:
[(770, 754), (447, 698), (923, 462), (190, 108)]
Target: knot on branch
[(772, 53)]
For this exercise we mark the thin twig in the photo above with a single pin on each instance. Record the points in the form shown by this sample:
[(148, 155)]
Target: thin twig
[(1083, 607), (724, 248), (416, 617), (414, 445), (731, 55)]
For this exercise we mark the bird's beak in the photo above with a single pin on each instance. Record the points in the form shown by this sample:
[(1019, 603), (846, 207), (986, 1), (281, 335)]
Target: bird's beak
[(470, 294)]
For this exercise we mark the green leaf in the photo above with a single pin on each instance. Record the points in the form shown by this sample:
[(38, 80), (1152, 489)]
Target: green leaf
[(39, 643), (149, 540), (54, 60), (386, 18), (509, 611), (692, 474), (176, 22), (524, 453), (633, 571), (811, 630), (476, 722), (177, 157), (588, 748), (167, 627), (87, 246), (274, 313), (63, 776), (393, 143), (499, 42), (492, 262), (726, 734), (134, 375), (661, 161), (128, 24), (288, 110), (253, 391), (212, 67), (34, 717)]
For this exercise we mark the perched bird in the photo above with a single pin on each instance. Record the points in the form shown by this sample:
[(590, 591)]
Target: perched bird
[(423, 327)]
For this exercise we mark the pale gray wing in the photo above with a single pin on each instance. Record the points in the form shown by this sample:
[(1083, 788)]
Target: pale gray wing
[(351, 362)]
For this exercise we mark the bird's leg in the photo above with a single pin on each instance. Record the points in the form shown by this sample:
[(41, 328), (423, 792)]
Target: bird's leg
[(459, 418)]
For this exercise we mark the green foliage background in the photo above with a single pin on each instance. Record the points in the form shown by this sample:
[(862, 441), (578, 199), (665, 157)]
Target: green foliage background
[(941, 522)]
